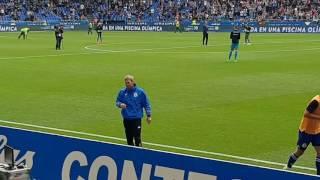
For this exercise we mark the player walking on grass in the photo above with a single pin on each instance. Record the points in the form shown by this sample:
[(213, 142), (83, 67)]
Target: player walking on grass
[(58, 31), (205, 34), (235, 37), (132, 100), (99, 32), (90, 26), (178, 26), (309, 132), (247, 30)]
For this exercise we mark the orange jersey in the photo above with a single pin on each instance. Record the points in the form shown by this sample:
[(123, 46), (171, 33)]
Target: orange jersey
[(311, 125)]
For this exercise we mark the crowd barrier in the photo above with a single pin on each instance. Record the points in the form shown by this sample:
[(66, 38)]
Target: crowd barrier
[(57, 157)]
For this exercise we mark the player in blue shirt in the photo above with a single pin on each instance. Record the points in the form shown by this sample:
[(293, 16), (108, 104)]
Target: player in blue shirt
[(132, 100), (235, 37), (205, 34)]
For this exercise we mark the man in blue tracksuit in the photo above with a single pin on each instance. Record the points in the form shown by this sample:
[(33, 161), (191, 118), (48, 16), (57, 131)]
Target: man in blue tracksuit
[(132, 100)]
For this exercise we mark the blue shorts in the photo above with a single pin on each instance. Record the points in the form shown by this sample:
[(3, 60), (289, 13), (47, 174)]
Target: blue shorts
[(234, 46), (305, 139)]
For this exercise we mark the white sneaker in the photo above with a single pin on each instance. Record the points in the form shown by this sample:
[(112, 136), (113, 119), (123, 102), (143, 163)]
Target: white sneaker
[(286, 168)]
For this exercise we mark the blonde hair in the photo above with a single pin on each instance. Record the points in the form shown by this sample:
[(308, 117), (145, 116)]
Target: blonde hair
[(129, 77)]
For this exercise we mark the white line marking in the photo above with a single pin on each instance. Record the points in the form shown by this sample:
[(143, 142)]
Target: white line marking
[(152, 50), (146, 51), (104, 51), (137, 50), (50, 55), (143, 50), (223, 52), (157, 145)]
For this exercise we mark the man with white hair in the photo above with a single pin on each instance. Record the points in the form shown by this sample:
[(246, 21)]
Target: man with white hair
[(132, 100)]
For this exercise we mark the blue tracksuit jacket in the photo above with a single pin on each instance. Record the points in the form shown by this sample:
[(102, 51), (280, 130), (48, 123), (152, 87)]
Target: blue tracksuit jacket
[(136, 100)]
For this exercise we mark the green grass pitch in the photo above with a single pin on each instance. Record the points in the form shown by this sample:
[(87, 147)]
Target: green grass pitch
[(250, 109)]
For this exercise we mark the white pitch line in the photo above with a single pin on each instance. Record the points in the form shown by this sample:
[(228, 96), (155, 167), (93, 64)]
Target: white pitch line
[(144, 50), (152, 50), (223, 52), (50, 55), (137, 50), (105, 51), (99, 51), (157, 145), (258, 43)]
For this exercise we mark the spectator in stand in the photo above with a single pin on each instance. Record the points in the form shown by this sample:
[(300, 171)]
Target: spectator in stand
[(159, 10)]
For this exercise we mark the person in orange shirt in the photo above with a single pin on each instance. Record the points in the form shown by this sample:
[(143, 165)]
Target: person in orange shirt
[(309, 132)]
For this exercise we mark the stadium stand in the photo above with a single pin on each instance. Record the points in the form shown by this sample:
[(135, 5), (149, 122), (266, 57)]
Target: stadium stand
[(158, 10)]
